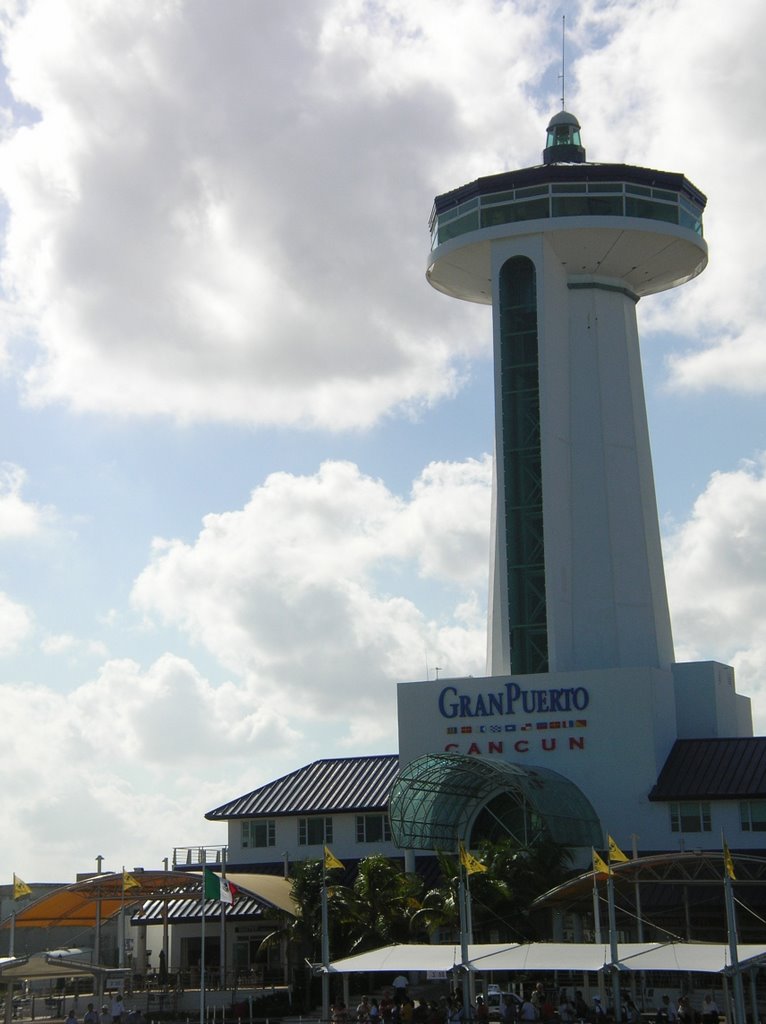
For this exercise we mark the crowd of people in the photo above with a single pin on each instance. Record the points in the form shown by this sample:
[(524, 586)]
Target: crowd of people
[(113, 1012), (402, 1009), (539, 1004)]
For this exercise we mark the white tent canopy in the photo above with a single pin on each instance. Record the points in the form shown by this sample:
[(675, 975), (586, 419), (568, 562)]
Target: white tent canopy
[(708, 957), (53, 964)]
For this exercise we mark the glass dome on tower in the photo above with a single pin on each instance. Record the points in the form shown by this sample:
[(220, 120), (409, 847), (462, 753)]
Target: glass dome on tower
[(562, 144)]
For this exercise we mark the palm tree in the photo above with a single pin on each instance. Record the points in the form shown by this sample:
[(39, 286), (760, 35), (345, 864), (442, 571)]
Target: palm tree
[(521, 873), (500, 896), (302, 934), (377, 908)]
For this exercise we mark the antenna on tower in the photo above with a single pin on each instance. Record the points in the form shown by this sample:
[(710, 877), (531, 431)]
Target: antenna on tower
[(562, 75)]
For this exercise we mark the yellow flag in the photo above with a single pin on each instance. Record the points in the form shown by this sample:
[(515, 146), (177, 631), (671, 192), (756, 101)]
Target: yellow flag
[(615, 853), (728, 863), (130, 881), (20, 888), (330, 860), (469, 862), (598, 864)]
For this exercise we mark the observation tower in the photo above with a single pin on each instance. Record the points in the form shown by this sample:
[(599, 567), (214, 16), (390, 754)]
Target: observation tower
[(563, 252)]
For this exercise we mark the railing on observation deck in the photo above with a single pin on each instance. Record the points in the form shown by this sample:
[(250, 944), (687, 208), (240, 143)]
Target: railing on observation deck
[(565, 199), (189, 856)]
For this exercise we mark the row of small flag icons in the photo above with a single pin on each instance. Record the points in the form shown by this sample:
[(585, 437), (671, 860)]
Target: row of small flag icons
[(571, 723)]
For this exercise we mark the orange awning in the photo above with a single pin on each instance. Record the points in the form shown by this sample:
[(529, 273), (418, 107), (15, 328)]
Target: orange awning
[(78, 905)]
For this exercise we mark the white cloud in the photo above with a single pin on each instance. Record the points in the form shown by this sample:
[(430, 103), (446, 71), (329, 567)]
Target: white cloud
[(58, 643), (248, 244), (18, 518), (299, 588), (295, 595), (678, 86), (735, 363), (16, 624), (716, 571), (130, 746)]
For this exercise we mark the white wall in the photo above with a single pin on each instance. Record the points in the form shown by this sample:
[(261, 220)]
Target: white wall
[(344, 843), (613, 749)]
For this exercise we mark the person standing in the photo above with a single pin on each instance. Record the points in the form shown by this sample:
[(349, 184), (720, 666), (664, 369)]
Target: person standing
[(566, 1008), (117, 1008), (581, 1007), (529, 1011), (709, 1010)]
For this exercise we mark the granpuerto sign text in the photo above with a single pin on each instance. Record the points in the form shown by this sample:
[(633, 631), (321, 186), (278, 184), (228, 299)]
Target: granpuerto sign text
[(511, 699)]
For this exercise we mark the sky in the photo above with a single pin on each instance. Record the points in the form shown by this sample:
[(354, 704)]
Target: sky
[(245, 449)]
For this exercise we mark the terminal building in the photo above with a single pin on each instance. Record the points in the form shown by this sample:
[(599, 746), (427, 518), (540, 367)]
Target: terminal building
[(585, 725)]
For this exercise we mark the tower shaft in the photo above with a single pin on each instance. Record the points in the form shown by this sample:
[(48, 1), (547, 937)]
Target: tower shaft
[(563, 252), (578, 579)]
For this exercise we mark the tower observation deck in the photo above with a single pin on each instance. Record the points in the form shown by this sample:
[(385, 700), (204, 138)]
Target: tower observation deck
[(563, 252)]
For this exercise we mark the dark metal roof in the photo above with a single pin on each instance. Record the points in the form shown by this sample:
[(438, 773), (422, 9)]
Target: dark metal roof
[(579, 172), (186, 911), (713, 769), (332, 785)]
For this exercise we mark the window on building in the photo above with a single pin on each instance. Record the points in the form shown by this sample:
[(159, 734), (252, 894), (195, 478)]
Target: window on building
[(259, 833), (690, 816), (314, 831), (373, 828), (752, 815)]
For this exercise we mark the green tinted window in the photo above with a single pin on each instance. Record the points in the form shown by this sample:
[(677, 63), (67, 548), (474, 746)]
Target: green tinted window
[(458, 227), (690, 816), (531, 210), (498, 197), (532, 190), (651, 210), (587, 206), (752, 815)]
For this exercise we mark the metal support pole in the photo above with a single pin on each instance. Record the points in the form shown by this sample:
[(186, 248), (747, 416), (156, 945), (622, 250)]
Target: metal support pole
[(613, 950), (325, 953)]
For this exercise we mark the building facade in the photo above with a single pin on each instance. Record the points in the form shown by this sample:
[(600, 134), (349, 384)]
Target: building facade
[(582, 680), (337, 802)]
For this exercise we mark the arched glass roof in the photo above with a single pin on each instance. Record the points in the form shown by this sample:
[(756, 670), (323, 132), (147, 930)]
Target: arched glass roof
[(436, 798)]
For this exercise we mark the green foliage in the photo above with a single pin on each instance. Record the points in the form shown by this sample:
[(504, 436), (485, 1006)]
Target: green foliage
[(518, 875), (385, 905), (500, 896), (376, 910)]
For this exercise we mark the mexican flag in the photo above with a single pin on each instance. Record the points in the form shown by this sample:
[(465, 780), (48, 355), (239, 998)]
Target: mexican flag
[(217, 888)]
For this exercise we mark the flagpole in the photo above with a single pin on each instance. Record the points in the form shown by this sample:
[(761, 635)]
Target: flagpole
[(325, 948), (121, 930), (731, 921), (202, 958), (222, 954), (97, 937), (596, 911), (463, 939), (613, 951), (20, 890)]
